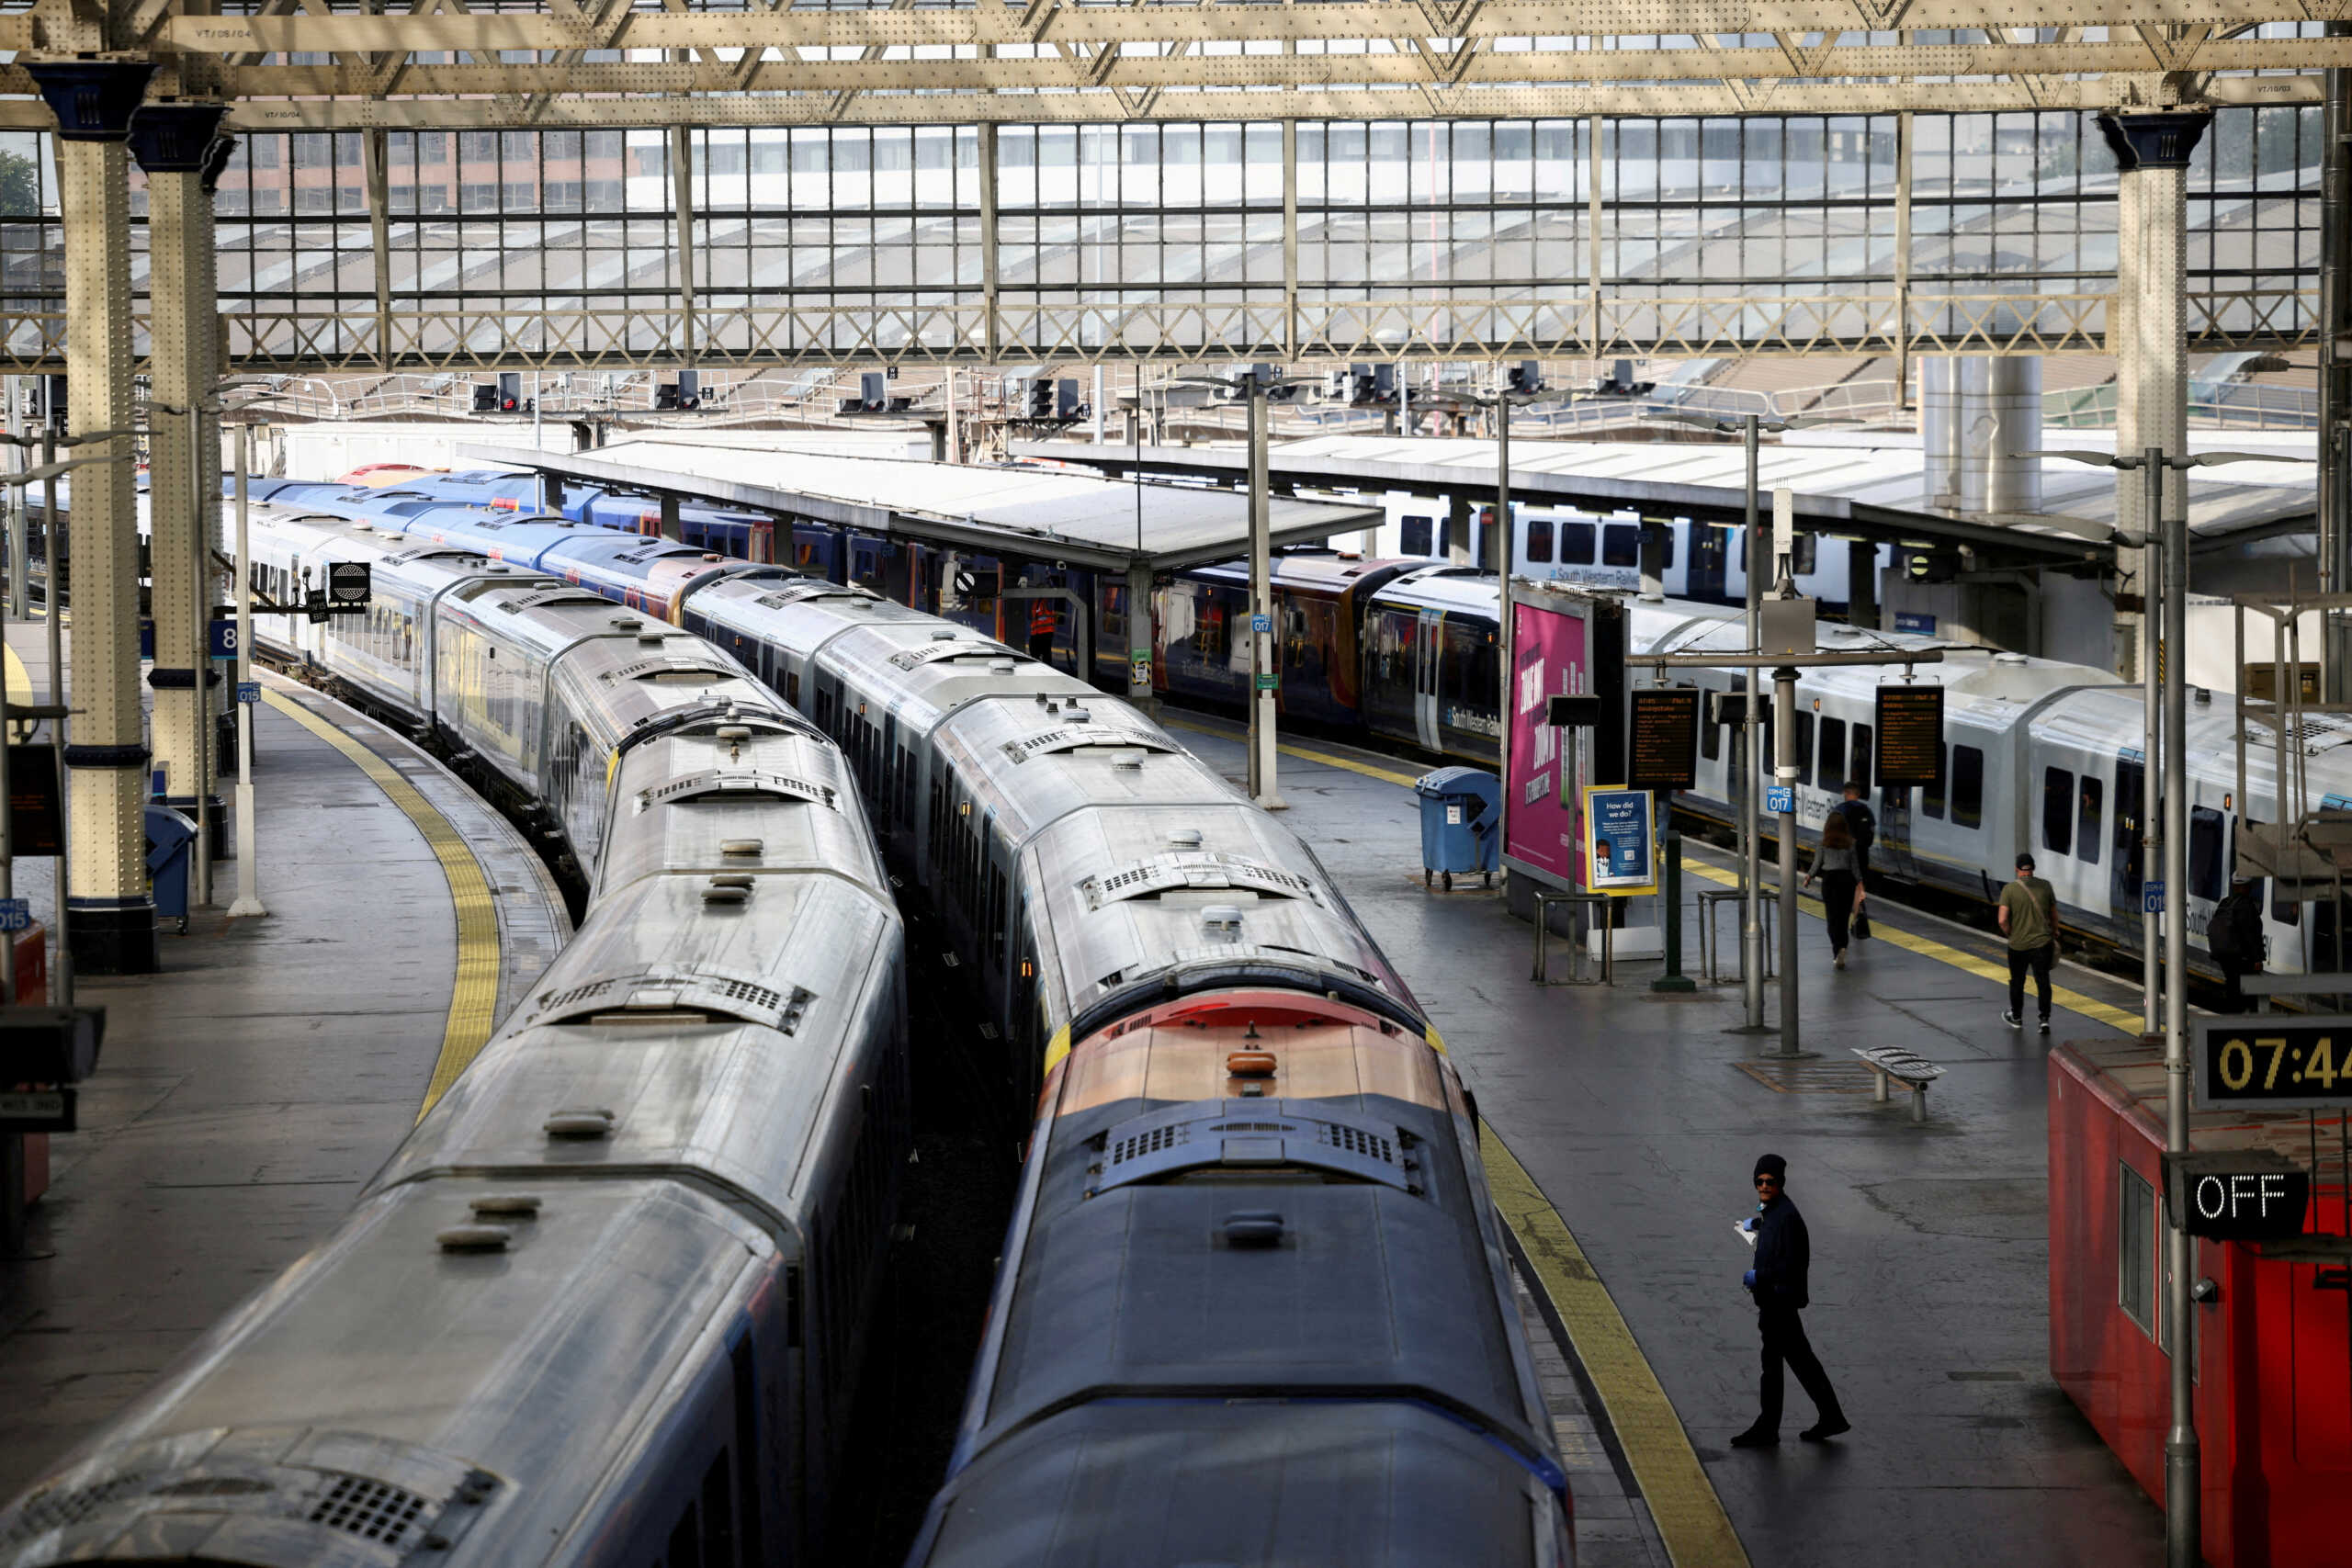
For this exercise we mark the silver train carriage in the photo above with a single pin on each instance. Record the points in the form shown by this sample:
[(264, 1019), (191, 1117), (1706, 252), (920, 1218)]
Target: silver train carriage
[(604, 1305), (1254, 1291)]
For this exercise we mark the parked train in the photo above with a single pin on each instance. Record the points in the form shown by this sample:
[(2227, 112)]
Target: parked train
[(604, 1305), (1254, 1291), (1407, 651)]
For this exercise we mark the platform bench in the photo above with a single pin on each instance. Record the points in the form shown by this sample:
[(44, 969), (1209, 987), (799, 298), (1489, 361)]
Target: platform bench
[(1891, 1063)]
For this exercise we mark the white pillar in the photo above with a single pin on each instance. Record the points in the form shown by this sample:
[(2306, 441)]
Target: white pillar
[(112, 914)]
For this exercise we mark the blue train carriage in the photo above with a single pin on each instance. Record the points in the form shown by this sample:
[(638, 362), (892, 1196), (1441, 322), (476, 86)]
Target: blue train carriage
[(1201, 638), (1432, 663)]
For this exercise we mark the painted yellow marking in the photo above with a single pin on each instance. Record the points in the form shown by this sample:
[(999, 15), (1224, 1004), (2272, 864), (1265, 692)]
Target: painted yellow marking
[(1307, 754), (20, 685), (1928, 947), (473, 998), (1058, 1047), (1690, 1519)]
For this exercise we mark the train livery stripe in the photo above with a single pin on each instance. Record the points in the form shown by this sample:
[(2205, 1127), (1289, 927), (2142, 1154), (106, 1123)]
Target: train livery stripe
[(1928, 947), (1691, 1520), (474, 996)]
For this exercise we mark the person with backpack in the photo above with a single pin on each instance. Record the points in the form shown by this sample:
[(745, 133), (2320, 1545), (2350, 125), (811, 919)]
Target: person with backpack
[(2233, 933), (1864, 825)]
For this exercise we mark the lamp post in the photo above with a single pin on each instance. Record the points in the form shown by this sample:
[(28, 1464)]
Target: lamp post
[(2183, 1532)]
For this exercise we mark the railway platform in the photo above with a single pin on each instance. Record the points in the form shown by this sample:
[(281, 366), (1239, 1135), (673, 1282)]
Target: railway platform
[(246, 1092), (1623, 1125)]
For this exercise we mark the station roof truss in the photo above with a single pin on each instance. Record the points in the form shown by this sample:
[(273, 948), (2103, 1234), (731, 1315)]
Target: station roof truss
[(1842, 488), (1064, 516), (310, 64)]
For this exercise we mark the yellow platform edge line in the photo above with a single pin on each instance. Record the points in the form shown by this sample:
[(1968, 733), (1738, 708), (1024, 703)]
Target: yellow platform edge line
[(473, 998), (1929, 947), (1689, 1517)]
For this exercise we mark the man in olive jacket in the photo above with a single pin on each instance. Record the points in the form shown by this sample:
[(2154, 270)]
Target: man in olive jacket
[(1783, 1256)]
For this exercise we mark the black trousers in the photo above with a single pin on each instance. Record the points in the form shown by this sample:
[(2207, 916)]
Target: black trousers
[(1838, 905), (1041, 646), (2232, 976), (1784, 1343), (2037, 960)]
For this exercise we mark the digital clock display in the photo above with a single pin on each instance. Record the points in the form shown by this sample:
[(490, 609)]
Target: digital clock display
[(2304, 1063)]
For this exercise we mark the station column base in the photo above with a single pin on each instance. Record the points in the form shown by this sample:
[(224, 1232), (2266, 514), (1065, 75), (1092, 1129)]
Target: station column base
[(113, 936)]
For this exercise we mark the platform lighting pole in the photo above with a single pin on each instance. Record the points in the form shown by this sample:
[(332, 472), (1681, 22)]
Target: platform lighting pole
[(1751, 743), (1263, 788), (52, 611), (2152, 748), (248, 903)]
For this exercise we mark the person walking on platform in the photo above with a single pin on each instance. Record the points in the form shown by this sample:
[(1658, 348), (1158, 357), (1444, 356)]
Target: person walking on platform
[(2233, 931), (1783, 1258), (1841, 882), (2029, 915), (1041, 629), (1862, 824)]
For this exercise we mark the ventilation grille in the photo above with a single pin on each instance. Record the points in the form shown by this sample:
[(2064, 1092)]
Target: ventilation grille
[(1359, 1141), (1239, 1138), (1194, 868), (576, 996), (745, 786), (655, 667), (372, 1510), (1065, 740), (738, 997), (53, 1510), (1151, 1141)]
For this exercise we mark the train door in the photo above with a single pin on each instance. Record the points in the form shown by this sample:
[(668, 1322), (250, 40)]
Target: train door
[(1430, 646), (1702, 546), (2066, 828), (2125, 850)]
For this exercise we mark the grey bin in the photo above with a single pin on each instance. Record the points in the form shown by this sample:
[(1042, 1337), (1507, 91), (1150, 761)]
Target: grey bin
[(170, 835), (1460, 821)]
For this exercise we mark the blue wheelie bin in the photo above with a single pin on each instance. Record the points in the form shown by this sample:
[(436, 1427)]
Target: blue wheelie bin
[(1462, 810), (171, 840)]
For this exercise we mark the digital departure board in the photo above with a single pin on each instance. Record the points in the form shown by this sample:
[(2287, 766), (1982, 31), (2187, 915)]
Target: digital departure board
[(1663, 749), (1910, 735), (2273, 1061)]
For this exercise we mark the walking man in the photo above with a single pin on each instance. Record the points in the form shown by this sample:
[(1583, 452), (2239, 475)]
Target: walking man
[(1783, 1256), (2028, 916), (1862, 824), (2233, 932)]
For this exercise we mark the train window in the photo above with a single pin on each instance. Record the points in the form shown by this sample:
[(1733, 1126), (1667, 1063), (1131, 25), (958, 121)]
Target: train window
[(1806, 551), (2090, 806), (2283, 910), (2058, 810), (1539, 540), (1804, 748), (2135, 1247), (1967, 788), (2207, 841), (1858, 761), (1711, 736), (1931, 796), (1415, 536), (719, 1508), (1575, 544), (2130, 788), (1665, 558), (1621, 544), (1833, 754)]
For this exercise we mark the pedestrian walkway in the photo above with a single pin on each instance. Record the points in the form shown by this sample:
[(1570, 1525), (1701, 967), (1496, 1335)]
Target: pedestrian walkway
[(246, 1092), (1636, 1118)]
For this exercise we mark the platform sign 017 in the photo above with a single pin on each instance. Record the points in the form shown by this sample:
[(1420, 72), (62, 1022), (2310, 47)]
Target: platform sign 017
[(1910, 736), (1662, 752), (2272, 1063)]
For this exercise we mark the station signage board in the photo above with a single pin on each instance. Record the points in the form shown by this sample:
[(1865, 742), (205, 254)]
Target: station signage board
[(2272, 1062), (2237, 1194), (1910, 736), (1662, 751)]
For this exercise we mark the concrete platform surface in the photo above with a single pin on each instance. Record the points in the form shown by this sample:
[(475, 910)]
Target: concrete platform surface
[(245, 1093), (1640, 1118)]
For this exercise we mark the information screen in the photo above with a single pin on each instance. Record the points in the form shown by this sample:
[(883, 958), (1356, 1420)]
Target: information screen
[(1910, 735), (1663, 752), (2273, 1063)]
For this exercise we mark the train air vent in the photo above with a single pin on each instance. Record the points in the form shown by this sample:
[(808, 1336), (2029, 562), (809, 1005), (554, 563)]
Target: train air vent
[(945, 646), (1163, 1145), (1221, 919), (715, 783), (579, 1127), (1194, 868), (745, 848), (1185, 838), (1047, 743), (671, 671), (670, 990)]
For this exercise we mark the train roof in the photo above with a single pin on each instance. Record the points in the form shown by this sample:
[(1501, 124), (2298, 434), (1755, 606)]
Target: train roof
[(1455, 588), (1325, 569)]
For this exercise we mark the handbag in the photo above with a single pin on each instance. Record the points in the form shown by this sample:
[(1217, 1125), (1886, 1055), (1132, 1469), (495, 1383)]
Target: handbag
[(1862, 927)]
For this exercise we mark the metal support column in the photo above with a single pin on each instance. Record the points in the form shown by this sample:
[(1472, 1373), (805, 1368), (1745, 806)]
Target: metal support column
[(171, 144), (1139, 635), (111, 912), (2183, 1504), (1263, 672), (1784, 773), (2335, 376), (1751, 745), (248, 904), (1593, 127), (991, 344), (682, 200), (2148, 328), (372, 146), (1902, 260), (1290, 239)]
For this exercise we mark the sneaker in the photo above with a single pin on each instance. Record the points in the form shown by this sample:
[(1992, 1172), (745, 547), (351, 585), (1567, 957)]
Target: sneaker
[(1840, 960), (2012, 1020), (2045, 1026), (1826, 1428), (1756, 1437)]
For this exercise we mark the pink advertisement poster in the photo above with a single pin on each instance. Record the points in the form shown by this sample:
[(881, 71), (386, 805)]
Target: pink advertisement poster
[(1549, 658)]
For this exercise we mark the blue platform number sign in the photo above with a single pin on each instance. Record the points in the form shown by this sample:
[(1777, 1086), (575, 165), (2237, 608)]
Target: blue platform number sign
[(224, 639), (15, 914), (2152, 896), (249, 691), (1620, 840), (1778, 798), (1262, 623)]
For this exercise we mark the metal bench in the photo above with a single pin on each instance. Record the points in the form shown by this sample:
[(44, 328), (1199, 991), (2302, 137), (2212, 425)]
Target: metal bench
[(1892, 1063)]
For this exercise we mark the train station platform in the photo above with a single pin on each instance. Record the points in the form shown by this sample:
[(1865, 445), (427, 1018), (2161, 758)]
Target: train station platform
[(1623, 1127), (246, 1092)]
